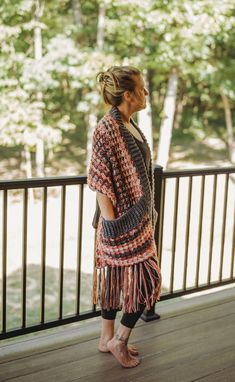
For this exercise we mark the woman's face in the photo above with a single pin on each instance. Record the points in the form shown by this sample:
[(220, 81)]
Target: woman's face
[(138, 97)]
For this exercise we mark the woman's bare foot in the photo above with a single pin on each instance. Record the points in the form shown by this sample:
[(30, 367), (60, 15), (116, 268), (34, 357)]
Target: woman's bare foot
[(104, 349), (120, 352)]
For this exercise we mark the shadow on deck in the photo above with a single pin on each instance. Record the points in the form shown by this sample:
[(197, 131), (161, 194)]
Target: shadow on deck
[(194, 340)]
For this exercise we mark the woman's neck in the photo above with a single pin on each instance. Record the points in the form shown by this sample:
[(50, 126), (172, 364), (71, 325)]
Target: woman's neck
[(125, 113)]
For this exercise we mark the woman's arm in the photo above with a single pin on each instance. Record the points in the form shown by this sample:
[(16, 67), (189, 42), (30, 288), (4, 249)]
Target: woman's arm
[(106, 206)]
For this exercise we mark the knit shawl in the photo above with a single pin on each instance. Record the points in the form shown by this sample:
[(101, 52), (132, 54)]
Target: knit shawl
[(117, 169)]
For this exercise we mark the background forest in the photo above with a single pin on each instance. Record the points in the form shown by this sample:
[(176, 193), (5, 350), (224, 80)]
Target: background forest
[(52, 50)]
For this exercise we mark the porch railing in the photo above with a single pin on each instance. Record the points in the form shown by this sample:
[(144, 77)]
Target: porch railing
[(195, 238)]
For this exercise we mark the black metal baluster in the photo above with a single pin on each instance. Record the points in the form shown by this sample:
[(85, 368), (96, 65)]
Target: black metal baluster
[(43, 254), (200, 231), (173, 246), (212, 229), (233, 247), (161, 221), (223, 228), (150, 315), (61, 266), (24, 257), (94, 262), (4, 262), (79, 248), (187, 232)]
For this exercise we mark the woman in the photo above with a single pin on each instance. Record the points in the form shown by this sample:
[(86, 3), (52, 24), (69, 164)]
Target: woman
[(127, 274)]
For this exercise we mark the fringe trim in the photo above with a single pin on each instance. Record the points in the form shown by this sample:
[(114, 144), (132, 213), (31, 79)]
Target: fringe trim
[(127, 287)]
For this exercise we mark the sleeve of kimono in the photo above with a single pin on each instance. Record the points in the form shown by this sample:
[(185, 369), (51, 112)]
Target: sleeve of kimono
[(99, 176)]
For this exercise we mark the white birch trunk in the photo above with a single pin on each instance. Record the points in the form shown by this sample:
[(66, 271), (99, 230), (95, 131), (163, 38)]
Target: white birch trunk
[(37, 43), (91, 123), (229, 126), (29, 174), (100, 27), (92, 117), (179, 112), (40, 158), (77, 12), (28, 163), (168, 119), (38, 56), (145, 119)]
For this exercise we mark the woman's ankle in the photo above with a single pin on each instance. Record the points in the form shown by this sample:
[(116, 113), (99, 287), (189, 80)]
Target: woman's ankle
[(123, 333)]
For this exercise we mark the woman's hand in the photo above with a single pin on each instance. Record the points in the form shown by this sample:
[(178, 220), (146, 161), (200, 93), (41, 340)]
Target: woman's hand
[(106, 206)]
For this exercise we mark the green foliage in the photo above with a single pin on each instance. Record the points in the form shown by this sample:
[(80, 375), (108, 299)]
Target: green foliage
[(48, 97)]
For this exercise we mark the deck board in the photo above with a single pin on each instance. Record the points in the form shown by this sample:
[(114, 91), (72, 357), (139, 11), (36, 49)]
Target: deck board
[(190, 343)]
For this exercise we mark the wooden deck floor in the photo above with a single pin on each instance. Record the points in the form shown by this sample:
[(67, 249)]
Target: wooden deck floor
[(194, 340)]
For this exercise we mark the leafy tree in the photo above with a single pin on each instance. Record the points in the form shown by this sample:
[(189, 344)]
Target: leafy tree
[(51, 51)]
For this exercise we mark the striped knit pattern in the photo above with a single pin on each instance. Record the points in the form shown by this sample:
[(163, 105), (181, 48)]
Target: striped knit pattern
[(117, 169)]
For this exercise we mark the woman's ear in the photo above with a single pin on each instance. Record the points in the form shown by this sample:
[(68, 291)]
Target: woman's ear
[(127, 96)]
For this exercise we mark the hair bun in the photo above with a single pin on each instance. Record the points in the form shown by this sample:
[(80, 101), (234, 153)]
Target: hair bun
[(115, 81), (106, 78)]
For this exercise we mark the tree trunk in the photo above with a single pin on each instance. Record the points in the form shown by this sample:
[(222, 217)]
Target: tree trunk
[(167, 123), (179, 112), (229, 126), (77, 12), (29, 174), (91, 118), (100, 27), (40, 158), (39, 96), (145, 118), (91, 124), (28, 163)]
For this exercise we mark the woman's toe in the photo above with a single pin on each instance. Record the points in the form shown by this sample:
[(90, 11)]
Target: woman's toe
[(132, 349)]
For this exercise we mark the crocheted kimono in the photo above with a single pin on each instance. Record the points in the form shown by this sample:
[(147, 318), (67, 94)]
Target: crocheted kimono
[(127, 271)]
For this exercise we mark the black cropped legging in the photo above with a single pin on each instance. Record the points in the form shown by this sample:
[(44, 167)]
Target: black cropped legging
[(128, 319)]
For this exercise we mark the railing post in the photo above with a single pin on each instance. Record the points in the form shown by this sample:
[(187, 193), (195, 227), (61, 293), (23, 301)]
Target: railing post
[(150, 315)]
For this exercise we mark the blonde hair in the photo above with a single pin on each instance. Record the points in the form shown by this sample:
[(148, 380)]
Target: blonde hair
[(115, 81)]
